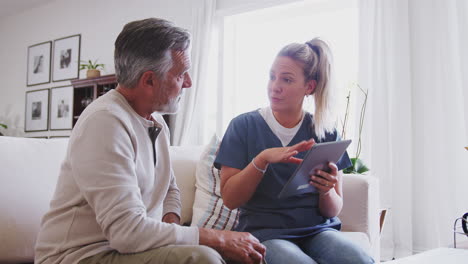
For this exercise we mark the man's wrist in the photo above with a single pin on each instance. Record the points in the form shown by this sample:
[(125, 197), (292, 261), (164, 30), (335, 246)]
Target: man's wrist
[(171, 217), (211, 238)]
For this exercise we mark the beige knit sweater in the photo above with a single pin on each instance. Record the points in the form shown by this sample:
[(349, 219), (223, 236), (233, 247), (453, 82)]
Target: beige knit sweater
[(109, 194)]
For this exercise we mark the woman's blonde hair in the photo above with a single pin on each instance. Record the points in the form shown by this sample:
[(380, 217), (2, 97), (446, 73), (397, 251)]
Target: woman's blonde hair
[(316, 58)]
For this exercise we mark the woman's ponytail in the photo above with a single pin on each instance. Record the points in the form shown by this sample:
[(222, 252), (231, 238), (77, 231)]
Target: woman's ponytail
[(317, 59)]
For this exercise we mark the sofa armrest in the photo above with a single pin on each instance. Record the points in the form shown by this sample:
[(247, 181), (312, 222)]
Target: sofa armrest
[(360, 213)]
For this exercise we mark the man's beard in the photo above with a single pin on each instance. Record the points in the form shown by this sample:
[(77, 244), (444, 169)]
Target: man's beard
[(172, 106)]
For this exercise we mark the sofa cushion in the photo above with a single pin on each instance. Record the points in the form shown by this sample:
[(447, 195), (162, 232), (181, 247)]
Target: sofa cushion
[(184, 162), (208, 208), (360, 239), (29, 172)]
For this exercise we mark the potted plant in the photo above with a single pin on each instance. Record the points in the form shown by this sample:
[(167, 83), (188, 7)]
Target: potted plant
[(358, 165), (4, 126), (92, 68)]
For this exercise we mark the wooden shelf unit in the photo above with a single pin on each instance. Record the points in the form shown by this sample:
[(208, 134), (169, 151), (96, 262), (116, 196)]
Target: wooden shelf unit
[(87, 90)]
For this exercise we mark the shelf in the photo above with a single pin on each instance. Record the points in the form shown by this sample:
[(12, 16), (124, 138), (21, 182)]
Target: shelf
[(105, 79), (87, 90)]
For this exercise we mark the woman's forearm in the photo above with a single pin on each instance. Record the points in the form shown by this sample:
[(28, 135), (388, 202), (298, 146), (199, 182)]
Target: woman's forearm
[(330, 204), (238, 186)]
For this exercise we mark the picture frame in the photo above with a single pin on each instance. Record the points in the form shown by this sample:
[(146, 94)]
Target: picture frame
[(56, 137), (61, 108), (37, 111), (66, 58), (38, 65)]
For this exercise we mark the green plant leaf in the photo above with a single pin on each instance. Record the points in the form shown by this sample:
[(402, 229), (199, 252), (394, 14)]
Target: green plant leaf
[(358, 167), (363, 169), (4, 126), (90, 65), (350, 169)]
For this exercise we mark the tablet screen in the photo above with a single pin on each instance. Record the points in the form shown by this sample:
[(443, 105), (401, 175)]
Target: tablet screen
[(316, 158)]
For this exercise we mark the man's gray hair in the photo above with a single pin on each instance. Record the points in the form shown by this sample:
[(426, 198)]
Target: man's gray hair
[(145, 45)]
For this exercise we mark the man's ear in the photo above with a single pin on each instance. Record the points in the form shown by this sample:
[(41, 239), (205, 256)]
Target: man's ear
[(311, 87), (148, 79)]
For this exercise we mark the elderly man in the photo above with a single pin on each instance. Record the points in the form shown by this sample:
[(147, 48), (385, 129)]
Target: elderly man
[(116, 174)]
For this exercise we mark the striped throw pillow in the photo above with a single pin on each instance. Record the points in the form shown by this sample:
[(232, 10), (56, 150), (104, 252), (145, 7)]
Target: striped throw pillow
[(208, 208)]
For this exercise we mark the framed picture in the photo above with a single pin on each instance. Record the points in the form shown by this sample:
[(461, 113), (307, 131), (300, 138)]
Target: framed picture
[(61, 108), (37, 110), (38, 71), (66, 58)]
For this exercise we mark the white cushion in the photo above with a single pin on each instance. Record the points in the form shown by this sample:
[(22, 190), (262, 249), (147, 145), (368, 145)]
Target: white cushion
[(184, 161), (208, 209), (209, 212), (29, 172), (360, 239), (360, 211)]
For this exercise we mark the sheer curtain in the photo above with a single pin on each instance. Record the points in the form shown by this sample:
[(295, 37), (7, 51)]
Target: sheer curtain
[(413, 60), (187, 125)]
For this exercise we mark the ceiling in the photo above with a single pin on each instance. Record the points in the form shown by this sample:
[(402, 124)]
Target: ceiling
[(12, 7)]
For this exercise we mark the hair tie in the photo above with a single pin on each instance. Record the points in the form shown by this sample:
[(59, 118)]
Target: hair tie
[(314, 48)]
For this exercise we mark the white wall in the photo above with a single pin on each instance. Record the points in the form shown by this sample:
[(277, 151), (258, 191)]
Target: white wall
[(98, 22)]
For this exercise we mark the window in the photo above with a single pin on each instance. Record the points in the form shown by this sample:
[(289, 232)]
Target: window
[(250, 41)]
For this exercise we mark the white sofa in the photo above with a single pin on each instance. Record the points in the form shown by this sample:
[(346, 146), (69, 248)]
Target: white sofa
[(29, 170)]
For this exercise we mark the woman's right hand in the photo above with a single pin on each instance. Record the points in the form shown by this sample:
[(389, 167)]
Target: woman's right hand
[(238, 186), (283, 154)]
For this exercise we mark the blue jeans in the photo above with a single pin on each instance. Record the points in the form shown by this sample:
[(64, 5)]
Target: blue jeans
[(327, 247)]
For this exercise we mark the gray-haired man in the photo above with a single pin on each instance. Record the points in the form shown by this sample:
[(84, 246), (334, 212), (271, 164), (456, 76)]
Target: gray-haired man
[(116, 173)]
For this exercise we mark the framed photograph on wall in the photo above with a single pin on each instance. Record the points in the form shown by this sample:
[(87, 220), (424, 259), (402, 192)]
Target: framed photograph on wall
[(66, 58), (37, 111), (57, 137), (61, 108), (38, 71)]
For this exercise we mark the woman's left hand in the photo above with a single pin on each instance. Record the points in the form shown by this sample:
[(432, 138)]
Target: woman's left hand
[(325, 181)]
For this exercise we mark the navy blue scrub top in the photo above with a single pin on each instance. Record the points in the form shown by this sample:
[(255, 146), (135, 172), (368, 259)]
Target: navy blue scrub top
[(265, 215)]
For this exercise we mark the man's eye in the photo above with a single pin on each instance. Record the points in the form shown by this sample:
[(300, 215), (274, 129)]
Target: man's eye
[(287, 80), (272, 77)]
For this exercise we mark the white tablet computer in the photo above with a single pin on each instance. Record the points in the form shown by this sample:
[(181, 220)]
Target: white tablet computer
[(316, 158)]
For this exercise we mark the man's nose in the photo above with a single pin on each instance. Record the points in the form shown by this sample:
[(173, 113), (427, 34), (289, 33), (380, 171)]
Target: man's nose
[(187, 81)]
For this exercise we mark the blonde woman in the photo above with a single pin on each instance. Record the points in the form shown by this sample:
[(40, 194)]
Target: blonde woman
[(260, 150)]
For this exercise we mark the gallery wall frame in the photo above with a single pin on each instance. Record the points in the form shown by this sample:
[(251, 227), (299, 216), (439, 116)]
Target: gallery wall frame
[(66, 58), (38, 64), (61, 108), (37, 110)]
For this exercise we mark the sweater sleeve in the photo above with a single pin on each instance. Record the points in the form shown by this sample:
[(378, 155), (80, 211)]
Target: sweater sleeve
[(172, 201), (103, 163)]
